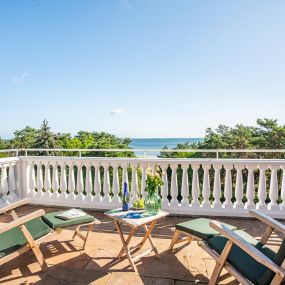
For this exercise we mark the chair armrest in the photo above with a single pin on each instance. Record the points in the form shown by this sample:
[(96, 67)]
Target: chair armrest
[(14, 205), (268, 220), (21, 221), (247, 247)]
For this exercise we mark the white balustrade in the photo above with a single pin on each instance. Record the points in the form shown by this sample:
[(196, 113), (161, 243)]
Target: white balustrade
[(164, 187), (195, 186), (273, 190), (88, 184), (217, 187), (135, 186), (143, 185), (206, 187), (250, 187), (106, 184), (71, 182), (97, 183), (79, 182), (8, 185), (55, 182), (40, 183), (116, 186), (4, 183), (85, 182), (228, 186), (283, 188), (63, 179), (262, 188), (185, 186), (174, 186), (239, 187)]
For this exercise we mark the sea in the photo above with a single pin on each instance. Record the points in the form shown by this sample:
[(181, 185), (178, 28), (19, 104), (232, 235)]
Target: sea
[(159, 143)]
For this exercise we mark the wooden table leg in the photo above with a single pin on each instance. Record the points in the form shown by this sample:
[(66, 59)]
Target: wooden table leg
[(131, 234), (148, 233), (125, 246)]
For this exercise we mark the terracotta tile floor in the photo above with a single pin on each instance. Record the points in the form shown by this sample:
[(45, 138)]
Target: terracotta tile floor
[(68, 264)]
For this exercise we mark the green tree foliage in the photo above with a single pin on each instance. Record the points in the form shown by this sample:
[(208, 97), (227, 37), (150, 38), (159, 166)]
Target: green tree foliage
[(267, 134), (45, 138), (24, 138)]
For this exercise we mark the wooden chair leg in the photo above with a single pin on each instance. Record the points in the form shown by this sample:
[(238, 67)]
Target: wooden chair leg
[(90, 228), (220, 263), (76, 232), (80, 235), (174, 239), (34, 247)]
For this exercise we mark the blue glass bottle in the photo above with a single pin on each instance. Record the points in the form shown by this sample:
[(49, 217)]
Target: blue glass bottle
[(125, 198)]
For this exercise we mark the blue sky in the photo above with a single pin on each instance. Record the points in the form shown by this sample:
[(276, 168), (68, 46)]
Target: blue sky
[(141, 68)]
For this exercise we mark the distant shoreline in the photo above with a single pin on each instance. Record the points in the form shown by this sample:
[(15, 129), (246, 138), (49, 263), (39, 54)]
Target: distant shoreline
[(159, 143)]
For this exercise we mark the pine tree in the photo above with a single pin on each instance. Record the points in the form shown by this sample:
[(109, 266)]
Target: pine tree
[(45, 138)]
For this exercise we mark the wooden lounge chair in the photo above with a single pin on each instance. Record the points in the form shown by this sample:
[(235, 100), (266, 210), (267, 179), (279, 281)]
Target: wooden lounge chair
[(27, 232), (248, 260)]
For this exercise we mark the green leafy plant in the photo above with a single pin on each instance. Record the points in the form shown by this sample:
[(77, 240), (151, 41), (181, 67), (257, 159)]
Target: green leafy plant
[(153, 180)]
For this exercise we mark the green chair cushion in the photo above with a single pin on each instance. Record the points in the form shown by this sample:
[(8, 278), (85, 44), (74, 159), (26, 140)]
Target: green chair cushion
[(200, 228), (278, 259), (55, 222), (241, 261), (14, 239)]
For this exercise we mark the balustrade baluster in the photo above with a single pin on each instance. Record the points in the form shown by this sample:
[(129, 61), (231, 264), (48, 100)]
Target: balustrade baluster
[(11, 182), (174, 185), (63, 183), (106, 184), (134, 187), (217, 186), (250, 188), (71, 181), (4, 183), (262, 188), (55, 182), (116, 185), (228, 186), (32, 180), (143, 192), (273, 190), (47, 182), (40, 183), (195, 186), (164, 187), (239, 188), (185, 185), (79, 181), (283, 188), (206, 186), (88, 182), (125, 178), (97, 183)]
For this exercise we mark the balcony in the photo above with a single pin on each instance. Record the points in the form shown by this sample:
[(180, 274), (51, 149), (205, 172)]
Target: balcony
[(223, 188)]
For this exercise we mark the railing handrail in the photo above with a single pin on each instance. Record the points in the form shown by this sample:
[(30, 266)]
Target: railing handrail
[(143, 150), (139, 150)]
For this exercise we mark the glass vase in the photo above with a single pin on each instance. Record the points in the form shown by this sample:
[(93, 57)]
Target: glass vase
[(152, 203)]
